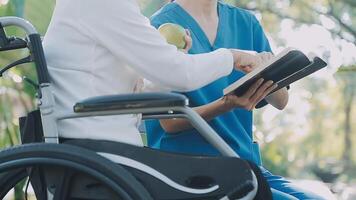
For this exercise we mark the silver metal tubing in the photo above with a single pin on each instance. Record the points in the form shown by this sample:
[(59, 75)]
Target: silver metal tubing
[(164, 116), (16, 21), (196, 120), (208, 133), (201, 126), (49, 122)]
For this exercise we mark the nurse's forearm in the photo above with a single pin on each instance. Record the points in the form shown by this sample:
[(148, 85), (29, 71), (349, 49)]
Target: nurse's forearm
[(278, 99), (207, 112)]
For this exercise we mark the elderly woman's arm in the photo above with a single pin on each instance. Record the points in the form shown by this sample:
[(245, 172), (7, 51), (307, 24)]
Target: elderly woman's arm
[(127, 34)]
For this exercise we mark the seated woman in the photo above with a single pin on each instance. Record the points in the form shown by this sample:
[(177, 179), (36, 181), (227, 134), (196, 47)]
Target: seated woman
[(215, 25)]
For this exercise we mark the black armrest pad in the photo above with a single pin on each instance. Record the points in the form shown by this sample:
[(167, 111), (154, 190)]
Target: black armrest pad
[(130, 101)]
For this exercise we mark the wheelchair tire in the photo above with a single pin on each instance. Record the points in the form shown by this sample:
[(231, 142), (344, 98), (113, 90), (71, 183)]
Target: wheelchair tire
[(113, 176), (9, 180)]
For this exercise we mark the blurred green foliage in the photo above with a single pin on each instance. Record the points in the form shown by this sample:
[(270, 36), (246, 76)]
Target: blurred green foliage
[(17, 98)]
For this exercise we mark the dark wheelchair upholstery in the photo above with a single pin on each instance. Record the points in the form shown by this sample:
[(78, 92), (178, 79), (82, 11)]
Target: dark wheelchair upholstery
[(191, 171)]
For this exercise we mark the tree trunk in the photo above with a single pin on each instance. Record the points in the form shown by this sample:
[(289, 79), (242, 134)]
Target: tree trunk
[(349, 95)]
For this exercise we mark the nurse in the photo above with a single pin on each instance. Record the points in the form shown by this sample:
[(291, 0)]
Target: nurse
[(215, 25)]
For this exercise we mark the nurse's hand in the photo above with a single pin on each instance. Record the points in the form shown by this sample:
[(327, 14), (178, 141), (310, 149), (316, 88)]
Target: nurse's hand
[(188, 42), (250, 99)]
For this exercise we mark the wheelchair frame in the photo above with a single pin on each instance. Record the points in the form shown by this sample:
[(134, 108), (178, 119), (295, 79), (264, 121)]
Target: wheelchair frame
[(46, 99)]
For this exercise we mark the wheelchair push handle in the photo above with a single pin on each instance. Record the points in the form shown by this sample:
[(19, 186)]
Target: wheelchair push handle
[(33, 43), (19, 22)]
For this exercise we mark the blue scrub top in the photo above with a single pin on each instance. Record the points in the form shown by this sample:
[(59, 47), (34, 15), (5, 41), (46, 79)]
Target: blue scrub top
[(237, 29)]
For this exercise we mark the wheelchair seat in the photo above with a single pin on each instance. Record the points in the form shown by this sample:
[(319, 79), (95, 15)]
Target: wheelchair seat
[(176, 176)]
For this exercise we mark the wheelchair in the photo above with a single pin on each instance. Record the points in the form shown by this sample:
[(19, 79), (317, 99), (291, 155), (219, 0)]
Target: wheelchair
[(64, 168)]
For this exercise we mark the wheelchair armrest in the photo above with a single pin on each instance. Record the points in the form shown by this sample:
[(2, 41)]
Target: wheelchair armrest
[(130, 101)]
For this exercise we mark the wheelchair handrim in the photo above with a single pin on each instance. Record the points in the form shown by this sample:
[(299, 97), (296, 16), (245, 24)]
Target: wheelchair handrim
[(27, 162)]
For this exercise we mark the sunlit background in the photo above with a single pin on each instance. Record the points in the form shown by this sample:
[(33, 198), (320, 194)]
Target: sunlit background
[(312, 140)]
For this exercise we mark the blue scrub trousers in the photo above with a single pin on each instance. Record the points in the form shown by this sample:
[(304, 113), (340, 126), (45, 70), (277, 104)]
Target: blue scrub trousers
[(282, 189)]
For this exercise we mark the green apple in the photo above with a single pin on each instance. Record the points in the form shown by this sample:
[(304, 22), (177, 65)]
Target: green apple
[(174, 34)]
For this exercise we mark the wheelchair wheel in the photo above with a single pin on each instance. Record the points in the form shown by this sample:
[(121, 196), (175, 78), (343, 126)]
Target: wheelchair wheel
[(59, 171)]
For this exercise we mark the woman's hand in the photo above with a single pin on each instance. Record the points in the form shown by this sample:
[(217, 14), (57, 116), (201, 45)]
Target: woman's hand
[(258, 91), (246, 61), (262, 59), (188, 42)]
